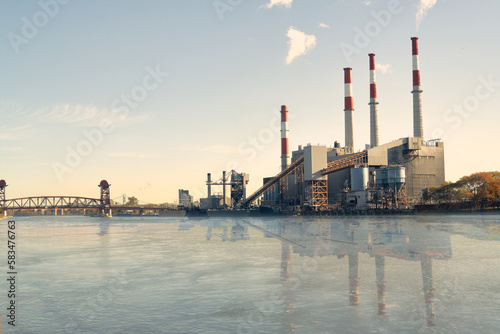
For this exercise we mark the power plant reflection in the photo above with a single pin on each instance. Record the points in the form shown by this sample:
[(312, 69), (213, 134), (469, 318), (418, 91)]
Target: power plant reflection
[(348, 239)]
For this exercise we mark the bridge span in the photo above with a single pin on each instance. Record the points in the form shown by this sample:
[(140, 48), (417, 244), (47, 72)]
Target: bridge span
[(65, 202)]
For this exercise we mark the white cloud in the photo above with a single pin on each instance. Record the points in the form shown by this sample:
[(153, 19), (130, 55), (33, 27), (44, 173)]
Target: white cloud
[(299, 44), (384, 68), (16, 133), (82, 115), (423, 7), (324, 25), (367, 2), (285, 3)]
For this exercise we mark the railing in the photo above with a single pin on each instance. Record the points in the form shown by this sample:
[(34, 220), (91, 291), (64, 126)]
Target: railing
[(46, 202)]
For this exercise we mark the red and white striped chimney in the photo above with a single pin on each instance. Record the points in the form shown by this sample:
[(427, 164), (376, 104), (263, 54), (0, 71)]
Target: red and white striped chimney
[(285, 156), (418, 130), (348, 108), (373, 104)]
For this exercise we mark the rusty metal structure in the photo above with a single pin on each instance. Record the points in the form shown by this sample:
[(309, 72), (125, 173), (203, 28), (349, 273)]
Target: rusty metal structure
[(66, 202), (105, 195), (3, 184), (317, 194), (238, 183), (357, 159), (51, 202)]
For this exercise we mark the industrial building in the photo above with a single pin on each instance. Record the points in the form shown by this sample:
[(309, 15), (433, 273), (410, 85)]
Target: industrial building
[(238, 191), (391, 175), (185, 199)]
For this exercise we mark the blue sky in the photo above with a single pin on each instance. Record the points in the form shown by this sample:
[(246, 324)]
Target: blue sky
[(152, 95)]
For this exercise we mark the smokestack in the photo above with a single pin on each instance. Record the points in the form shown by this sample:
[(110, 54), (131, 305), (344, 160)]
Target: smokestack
[(349, 140), (285, 156), (209, 185), (373, 104), (224, 188), (417, 92)]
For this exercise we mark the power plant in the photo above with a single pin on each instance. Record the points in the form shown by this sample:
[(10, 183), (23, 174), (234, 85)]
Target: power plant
[(318, 178)]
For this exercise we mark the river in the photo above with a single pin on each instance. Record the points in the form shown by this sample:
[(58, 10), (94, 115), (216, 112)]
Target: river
[(398, 274)]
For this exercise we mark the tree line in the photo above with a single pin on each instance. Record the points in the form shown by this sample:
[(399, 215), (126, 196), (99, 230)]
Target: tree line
[(478, 187)]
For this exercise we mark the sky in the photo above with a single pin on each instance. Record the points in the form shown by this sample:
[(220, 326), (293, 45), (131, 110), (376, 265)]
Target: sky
[(151, 95)]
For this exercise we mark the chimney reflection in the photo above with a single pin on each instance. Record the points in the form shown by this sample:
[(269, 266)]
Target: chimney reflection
[(353, 278), (237, 232), (285, 259), (400, 242), (380, 273), (428, 289)]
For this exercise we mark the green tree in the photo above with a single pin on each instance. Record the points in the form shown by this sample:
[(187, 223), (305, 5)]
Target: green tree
[(462, 195), (132, 201)]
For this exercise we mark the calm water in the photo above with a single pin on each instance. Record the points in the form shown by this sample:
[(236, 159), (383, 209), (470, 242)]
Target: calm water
[(271, 275)]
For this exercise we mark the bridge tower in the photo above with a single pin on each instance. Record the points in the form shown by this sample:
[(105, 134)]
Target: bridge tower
[(105, 195), (3, 184)]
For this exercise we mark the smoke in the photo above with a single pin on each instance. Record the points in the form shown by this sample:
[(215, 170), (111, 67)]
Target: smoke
[(272, 3), (299, 44), (384, 68), (423, 7)]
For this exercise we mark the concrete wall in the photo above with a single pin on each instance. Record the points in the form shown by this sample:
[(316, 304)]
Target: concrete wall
[(314, 162), (336, 183), (377, 156), (424, 166)]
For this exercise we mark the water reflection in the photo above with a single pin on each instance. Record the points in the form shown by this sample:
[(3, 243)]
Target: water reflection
[(229, 230), (406, 242), (103, 227), (384, 270), (347, 239)]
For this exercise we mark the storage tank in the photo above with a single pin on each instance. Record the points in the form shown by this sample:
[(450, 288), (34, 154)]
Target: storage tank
[(392, 177), (381, 177), (359, 178), (396, 177)]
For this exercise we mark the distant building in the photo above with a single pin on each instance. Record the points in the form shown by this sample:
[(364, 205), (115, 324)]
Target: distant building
[(184, 198)]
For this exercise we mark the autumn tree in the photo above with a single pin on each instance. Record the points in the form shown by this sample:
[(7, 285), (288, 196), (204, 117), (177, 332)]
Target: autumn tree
[(483, 187)]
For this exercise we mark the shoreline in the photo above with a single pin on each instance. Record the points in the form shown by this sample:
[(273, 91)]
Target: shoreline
[(238, 213)]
